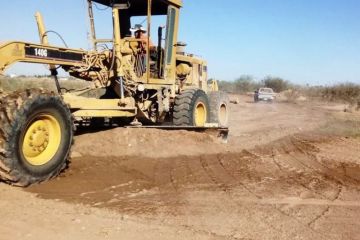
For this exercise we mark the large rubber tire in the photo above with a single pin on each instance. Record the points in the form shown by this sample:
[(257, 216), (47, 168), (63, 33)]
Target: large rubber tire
[(187, 104), (219, 108), (35, 115)]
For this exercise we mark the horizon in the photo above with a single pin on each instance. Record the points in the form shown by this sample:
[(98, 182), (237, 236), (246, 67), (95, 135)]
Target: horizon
[(306, 42)]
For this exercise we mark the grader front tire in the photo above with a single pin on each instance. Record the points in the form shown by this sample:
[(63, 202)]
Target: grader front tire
[(219, 106), (36, 134), (191, 108)]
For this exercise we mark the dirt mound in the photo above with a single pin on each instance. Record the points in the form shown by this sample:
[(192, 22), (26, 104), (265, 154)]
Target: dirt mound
[(278, 178), (296, 181), (291, 164), (145, 142)]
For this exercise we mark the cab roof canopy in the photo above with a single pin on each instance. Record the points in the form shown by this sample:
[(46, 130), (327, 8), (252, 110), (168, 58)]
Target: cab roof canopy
[(139, 7)]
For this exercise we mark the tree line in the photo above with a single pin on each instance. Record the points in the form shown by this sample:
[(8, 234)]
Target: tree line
[(247, 83), (344, 92)]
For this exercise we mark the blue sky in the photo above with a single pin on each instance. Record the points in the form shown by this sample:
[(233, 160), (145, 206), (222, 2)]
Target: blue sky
[(307, 41)]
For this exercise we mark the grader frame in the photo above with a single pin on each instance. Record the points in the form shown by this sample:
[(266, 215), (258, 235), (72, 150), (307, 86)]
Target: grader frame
[(157, 86), (72, 60)]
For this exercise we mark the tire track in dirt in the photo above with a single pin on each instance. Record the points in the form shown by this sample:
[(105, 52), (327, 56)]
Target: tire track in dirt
[(303, 147), (302, 181), (240, 184), (226, 183), (333, 178), (214, 169), (336, 176)]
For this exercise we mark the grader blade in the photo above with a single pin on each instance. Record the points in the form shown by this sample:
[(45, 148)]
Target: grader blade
[(222, 133)]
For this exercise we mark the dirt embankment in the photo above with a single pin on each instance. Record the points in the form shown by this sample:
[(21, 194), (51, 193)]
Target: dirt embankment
[(287, 173)]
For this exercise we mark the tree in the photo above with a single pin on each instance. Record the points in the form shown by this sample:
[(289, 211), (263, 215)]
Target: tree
[(226, 86), (245, 83), (276, 83)]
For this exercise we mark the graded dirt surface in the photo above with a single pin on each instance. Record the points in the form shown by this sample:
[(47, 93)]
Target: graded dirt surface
[(289, 171)]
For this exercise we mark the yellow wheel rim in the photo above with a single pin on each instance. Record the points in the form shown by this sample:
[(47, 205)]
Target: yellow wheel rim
[(200, 115), (223, 114), (42, 140)]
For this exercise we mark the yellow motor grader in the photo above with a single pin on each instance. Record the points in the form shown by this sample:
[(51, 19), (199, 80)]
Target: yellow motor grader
[(132, 81)]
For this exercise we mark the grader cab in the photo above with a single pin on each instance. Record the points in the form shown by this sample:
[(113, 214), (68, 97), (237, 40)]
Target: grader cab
[(132, 81)]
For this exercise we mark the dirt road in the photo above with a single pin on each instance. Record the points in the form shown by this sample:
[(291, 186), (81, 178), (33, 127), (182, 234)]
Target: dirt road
[(288, 172)]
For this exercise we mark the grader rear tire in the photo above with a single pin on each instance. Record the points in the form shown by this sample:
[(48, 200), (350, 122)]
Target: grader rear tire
[(191, 108), (36, 134), (219, 108)]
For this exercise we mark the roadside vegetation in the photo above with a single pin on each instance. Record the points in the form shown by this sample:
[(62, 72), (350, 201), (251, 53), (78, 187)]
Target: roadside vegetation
[(348, 93), (247, 83), (8, 84), (345, 92)]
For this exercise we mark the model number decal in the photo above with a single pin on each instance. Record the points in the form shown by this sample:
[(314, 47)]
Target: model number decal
[(41, 52), (53, 53)]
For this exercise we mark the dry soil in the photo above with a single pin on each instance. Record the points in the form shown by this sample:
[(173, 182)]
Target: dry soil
[(289, 171)]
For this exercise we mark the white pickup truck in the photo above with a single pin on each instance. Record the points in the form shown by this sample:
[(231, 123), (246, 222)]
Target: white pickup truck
[(264, 94)]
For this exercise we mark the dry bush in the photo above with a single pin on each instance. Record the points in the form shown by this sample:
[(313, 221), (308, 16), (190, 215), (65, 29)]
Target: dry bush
[(21, 83), (276, 83), (242, 85), (247, 83), (348, 93), (291, 95)]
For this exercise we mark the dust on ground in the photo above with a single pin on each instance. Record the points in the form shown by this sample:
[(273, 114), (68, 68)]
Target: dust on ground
[(289, 171)]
